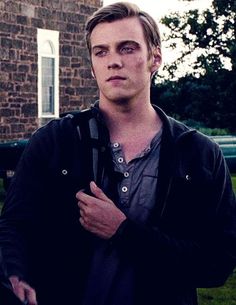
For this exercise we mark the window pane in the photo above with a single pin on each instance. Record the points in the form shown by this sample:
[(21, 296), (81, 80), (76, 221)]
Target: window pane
[(48, 85), (47, 48)]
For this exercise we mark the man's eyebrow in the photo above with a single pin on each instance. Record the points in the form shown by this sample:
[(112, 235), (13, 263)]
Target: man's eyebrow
[(120, 43), (99, 46), (133, 42)]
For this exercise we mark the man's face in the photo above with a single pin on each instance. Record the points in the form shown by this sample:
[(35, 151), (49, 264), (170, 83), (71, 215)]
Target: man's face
[(120, 60)]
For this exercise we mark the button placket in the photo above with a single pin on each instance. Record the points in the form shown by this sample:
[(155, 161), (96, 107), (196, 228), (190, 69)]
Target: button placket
[(124, 189), (116, 145), (126, 174), (64, 172)]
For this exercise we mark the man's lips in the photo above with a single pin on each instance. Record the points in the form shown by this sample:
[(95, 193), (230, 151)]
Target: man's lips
[(116, 77)]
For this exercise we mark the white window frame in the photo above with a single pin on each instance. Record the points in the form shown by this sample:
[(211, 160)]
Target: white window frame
[(51, 37)]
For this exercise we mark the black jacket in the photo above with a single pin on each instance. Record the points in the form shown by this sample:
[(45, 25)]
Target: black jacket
[(188, 242)]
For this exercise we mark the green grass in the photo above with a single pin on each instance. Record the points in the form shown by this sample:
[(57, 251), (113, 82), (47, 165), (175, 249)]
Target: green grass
[(234, 182), (225, 295)]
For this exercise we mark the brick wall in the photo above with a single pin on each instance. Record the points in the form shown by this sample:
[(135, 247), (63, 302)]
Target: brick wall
[(19, 21)]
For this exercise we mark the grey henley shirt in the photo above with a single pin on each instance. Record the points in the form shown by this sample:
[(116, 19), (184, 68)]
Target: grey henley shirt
[(111, 281)]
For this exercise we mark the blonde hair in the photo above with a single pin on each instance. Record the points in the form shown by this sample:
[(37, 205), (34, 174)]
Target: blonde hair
[(121, 10)]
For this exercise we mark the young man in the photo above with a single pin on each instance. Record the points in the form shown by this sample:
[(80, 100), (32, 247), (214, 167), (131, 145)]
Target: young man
[(119, 204)]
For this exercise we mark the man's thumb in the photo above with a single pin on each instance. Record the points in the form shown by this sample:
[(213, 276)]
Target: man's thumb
[(97, 192)]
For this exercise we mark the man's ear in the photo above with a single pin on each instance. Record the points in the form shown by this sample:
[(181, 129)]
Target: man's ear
[(156, 59), (92, 72)]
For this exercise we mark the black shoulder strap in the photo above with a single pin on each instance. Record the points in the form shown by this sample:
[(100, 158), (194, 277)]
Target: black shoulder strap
[(87, 129), (92, 140)]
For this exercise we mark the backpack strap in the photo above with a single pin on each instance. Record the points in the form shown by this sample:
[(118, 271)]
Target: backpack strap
[(87, 128), (94, 139)]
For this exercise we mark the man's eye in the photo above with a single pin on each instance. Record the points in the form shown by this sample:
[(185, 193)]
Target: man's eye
[(100, 53), (127, 50)]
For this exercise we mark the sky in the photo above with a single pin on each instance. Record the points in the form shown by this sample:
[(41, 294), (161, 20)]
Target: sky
[(159, 8)]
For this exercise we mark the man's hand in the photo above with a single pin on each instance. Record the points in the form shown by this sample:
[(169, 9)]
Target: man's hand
[(23, 291), (99, 215)]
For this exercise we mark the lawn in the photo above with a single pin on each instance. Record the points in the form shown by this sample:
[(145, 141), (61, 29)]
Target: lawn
[(234, 182), (225, 295)]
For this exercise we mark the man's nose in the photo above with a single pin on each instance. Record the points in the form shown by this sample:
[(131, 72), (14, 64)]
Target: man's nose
[(115, 62)]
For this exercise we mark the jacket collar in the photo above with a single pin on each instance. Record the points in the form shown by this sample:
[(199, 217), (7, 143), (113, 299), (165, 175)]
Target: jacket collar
[(173, 129), (173, 133)]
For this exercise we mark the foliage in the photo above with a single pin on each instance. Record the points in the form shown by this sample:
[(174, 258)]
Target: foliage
[(207, 93), (214, 131), (208, 99), (210, 35)]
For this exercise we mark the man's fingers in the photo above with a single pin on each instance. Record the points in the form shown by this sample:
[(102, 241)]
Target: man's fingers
[(18, 289), (31, 296), (23, 291), (26, 293), (20, 292), (98, 192)]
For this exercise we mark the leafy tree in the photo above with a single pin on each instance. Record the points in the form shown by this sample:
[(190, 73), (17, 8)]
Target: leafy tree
[(205, 95), (208, 100), (209, 34)]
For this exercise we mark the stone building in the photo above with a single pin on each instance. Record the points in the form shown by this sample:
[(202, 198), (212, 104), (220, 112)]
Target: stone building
[(44, 63)]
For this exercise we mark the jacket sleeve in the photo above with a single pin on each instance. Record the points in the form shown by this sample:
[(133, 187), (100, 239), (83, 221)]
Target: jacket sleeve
[(20, 211), (203, 261)]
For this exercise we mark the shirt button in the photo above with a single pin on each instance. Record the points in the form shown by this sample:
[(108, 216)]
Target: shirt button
[(187, 177), (124, 189), (126, 174), (116, 145), (120, 160)]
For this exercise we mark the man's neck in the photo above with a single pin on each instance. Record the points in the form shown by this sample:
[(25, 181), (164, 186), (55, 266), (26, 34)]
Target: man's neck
[(132, 126), (124, 114)]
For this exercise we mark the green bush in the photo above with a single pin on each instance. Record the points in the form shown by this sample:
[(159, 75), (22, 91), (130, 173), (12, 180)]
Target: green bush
[(214, 131), (206, 130)]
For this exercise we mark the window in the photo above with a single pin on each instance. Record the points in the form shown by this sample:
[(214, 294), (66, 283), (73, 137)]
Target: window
[(48, 73)]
